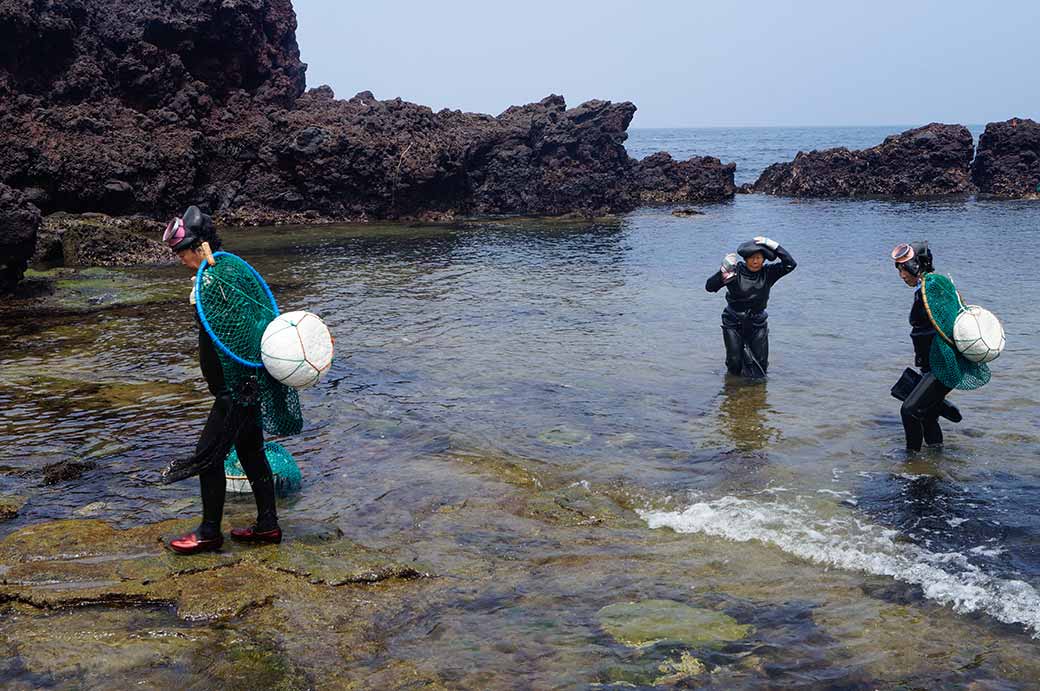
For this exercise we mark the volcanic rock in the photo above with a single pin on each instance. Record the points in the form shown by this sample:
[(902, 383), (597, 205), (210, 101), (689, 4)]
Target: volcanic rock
[(150, 55), (686, 212), (363, 157), (1007, 163), (144, 107), (927, 161), (19, 223), (100, 101), (65, 471), (660, 179)]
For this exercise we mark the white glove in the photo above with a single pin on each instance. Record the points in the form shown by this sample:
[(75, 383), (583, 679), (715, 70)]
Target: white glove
[(729, 266), (763, 240)]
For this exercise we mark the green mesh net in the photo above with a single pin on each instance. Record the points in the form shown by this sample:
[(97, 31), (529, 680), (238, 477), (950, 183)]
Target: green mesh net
[(943, 304), (235, 306), (287, 478)]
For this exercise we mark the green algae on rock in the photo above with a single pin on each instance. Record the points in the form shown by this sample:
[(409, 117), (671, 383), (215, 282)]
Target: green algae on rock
[(89, 562), (65, 290), (676, 671), (645, 623), (10, 506), (94, 239), (578, 504), (103, 648)]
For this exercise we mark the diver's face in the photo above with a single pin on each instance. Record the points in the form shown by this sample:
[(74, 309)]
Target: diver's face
[(755, 261), (191, 258), (908, 278)]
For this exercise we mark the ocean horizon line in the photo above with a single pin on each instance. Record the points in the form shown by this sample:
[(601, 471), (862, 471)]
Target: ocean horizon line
[(904, 127)]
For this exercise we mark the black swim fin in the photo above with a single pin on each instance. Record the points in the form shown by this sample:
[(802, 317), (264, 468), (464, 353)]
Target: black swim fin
[(243, 406), (908, 380)]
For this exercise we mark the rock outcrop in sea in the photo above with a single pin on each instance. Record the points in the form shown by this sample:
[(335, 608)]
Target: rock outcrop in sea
[(923, 162), (1007, 163), (660, 179)]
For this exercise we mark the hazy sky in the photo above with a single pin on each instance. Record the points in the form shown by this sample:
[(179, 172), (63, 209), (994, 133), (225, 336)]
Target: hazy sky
[(693, 63)]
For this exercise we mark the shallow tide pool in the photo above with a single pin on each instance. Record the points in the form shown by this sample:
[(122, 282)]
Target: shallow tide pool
[(537, 411)]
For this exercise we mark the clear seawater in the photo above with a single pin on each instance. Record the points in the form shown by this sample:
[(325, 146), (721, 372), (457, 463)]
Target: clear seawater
[(589, 357)]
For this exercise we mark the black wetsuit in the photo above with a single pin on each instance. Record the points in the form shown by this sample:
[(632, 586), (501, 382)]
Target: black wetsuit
[(745, 320), (920, 410), (249, 444)]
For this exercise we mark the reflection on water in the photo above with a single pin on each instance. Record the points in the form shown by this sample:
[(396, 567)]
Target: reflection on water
[(744, 414)]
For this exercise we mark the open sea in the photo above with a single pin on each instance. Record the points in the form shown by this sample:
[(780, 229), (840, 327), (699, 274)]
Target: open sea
[(754, 148)]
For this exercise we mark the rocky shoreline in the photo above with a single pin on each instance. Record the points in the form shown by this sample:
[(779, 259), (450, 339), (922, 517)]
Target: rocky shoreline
[(934, 160), (139, 109), (144, 108)]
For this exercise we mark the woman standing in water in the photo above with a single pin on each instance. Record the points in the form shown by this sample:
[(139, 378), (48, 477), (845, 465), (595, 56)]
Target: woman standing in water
[(229, 422), (745, 330), (925, 402)]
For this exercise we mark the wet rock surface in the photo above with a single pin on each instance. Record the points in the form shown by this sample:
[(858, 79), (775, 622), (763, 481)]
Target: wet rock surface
[(87, 240), (83, 562), (686, 213), (927, 161), (64, 471), (1007, 163), (640, 624), (19, 223), (9, 506), (482, 592)]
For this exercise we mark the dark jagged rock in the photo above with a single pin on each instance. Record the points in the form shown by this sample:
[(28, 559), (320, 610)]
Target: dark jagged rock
[(100, 102), (19, 223), (362, 157), (660, 179), (545, 159), (927, 161), (64, 471), (1007, 163), (175, 57), (145, 106)]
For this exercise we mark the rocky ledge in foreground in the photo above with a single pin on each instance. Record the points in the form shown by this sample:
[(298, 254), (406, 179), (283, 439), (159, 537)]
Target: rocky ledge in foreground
[(927, 161), (1007, 164)]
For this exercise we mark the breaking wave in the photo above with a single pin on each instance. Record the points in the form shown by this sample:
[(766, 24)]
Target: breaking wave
[(847, 542)]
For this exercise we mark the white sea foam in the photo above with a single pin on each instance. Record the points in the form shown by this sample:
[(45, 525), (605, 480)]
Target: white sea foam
[(845, 541), (836, 493)]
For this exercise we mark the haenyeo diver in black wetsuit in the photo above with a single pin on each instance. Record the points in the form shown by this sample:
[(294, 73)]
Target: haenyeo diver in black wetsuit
[(745, 330), (228, 423), (923, 396)]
